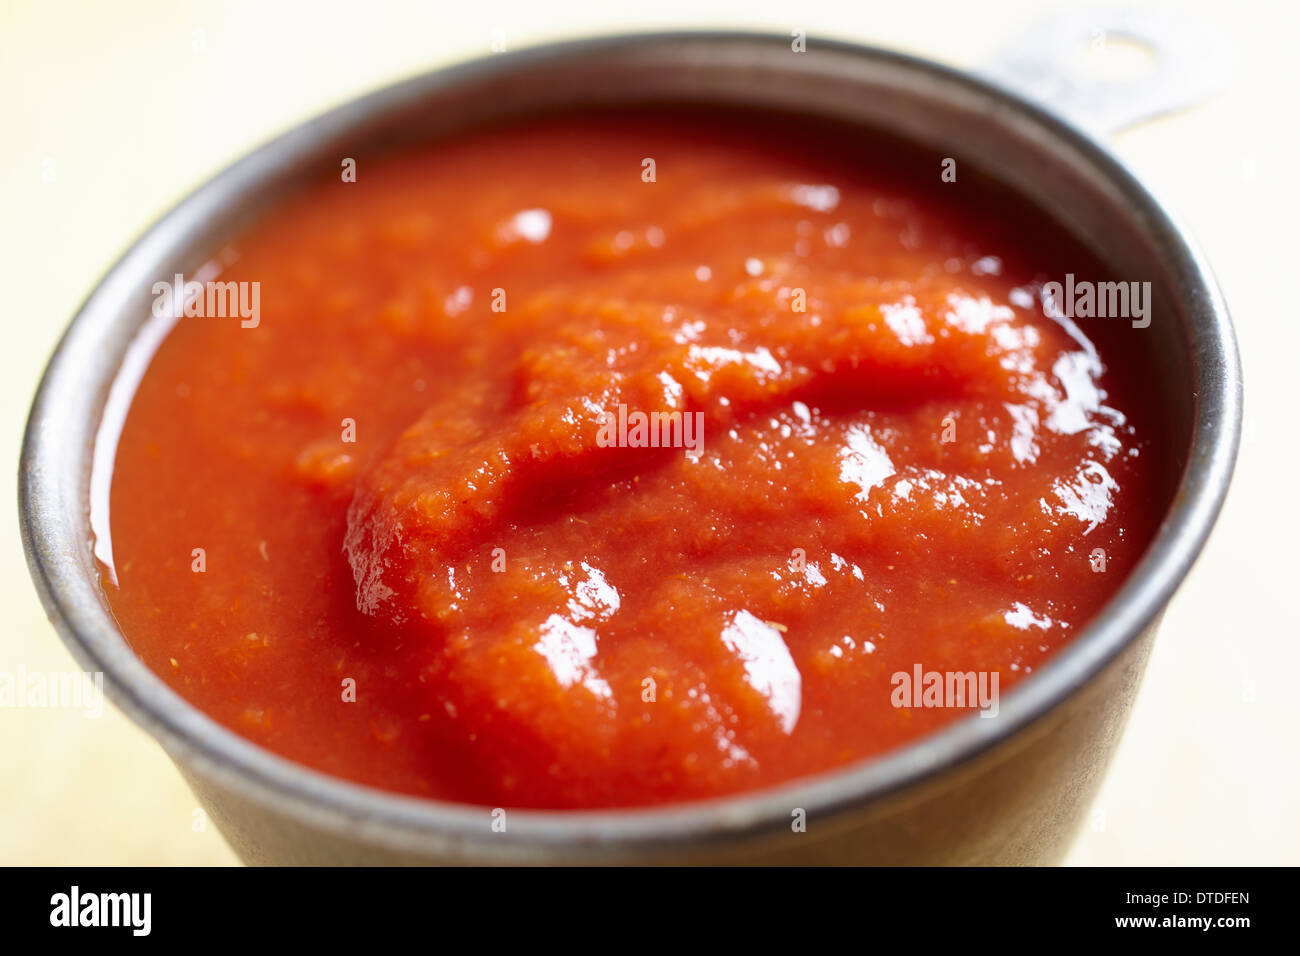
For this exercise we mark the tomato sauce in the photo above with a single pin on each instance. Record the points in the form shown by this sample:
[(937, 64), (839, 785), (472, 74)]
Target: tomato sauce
[(612, 460)]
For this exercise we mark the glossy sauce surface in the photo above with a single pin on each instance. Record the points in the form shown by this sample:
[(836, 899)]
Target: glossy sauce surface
[(904, 463)]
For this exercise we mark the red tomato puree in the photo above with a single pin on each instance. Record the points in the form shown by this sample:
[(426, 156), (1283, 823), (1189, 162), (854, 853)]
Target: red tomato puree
[(611, 460)]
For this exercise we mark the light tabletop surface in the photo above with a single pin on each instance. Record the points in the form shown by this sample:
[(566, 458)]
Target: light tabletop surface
[(114, 111)]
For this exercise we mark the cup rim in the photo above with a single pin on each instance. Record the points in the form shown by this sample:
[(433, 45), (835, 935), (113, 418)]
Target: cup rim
[(407, 822)]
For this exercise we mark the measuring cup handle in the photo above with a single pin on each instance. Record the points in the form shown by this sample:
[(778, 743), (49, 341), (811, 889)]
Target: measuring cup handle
[(1048, 63)]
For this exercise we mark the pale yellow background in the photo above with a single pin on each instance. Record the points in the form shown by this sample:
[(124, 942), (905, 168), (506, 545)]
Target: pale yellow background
[(128, 105)]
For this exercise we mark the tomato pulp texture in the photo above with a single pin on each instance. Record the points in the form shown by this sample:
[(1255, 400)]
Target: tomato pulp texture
[(904, 463)]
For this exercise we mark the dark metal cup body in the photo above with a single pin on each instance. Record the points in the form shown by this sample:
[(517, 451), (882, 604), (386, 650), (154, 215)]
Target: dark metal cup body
[(1013, 789)]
